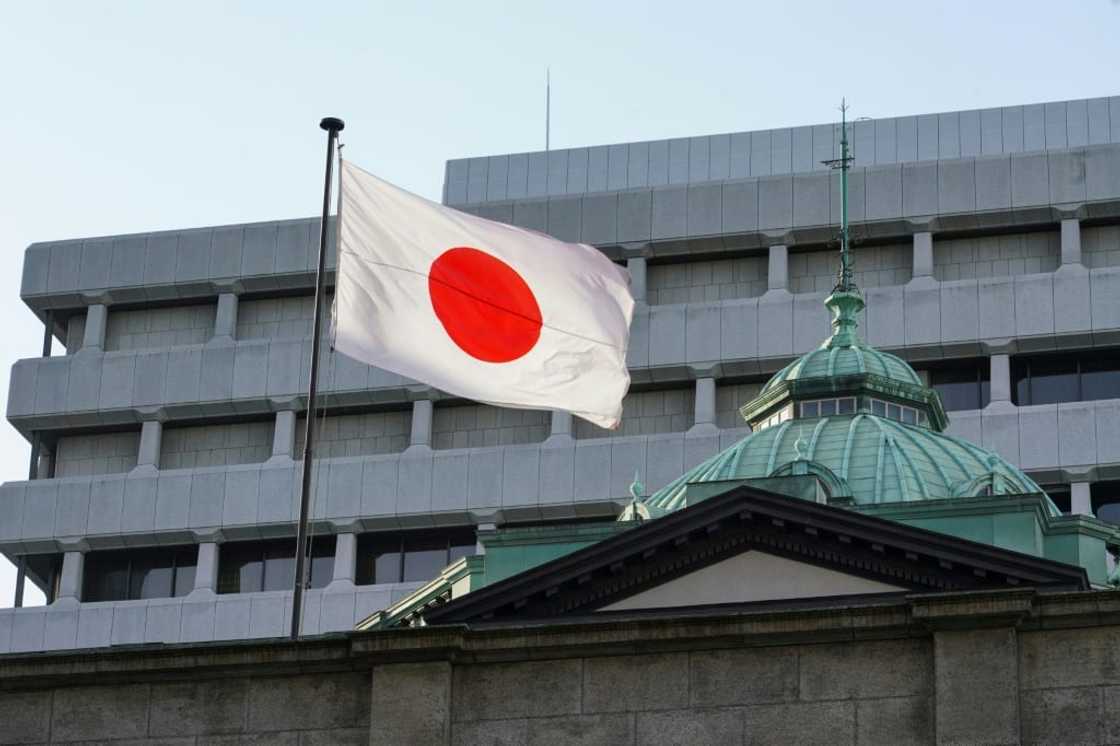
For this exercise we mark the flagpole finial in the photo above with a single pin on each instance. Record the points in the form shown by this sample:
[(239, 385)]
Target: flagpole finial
[(332, 124)]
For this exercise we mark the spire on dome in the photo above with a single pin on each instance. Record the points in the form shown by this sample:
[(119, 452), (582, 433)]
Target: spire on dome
[(845, 301)]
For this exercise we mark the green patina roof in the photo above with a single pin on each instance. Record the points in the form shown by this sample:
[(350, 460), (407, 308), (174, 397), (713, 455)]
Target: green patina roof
[(867, 458), (829, 362)]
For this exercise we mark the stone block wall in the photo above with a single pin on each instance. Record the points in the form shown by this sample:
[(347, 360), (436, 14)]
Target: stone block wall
[(996, 256), (875, 266), (159, 327), (699, 281), (1100, 246), (215, 445), (1015, 666), (279, 318), (103, 453), (357, 434), (327, 708), (478, 425), (647, 413), (865, 692)]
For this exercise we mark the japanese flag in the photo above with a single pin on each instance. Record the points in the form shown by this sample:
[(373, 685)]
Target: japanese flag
[(476, 308)]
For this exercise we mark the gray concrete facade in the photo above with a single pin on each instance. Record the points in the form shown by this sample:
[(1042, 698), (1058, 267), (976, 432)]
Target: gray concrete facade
[(188, 350)]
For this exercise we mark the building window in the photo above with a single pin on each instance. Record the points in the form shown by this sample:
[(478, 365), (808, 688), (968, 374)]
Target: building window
[(1061, 497), (253, 566), (410, 556), (828, 407), (1049, 379), (45, 572), (1105, 497), (901, 413), (783, 414), (131, 574), (962, 384)]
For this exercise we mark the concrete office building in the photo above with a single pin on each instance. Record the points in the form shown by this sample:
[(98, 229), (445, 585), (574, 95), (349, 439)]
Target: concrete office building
[(162, 504)]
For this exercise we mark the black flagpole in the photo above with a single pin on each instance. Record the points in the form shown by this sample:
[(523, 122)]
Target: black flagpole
[(333, 126)]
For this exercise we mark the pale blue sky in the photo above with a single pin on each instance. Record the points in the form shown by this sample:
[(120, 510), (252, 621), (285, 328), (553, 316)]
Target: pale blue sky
[(127, 116)]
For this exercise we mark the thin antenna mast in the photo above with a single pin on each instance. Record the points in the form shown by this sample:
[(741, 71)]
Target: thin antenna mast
[(845, 283), (547, 107)]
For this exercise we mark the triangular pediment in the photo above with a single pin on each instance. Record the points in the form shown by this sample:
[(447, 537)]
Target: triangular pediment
[(750, 577), (750, 546)]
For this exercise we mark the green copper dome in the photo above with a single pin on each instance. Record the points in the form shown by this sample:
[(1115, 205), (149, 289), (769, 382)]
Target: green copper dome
[(858, 420), (865, 458), (828, 362)]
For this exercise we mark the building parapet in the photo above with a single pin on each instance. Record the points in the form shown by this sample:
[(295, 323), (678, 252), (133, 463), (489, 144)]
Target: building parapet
[(887, 201), (695, 160)]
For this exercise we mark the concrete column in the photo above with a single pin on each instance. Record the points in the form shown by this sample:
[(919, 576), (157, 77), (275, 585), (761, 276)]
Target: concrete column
[(561, 424), (284, 435), (777, 277), (923, 254), (345, 561), (704, 410), (1071, 241), (1080, 501), (44, 467), (70, 584), (206, 571), (637, 267), (225, 320), (1001, 378), (977, 685), (151, 435), (96, 317), (421, 436), (483, 529)]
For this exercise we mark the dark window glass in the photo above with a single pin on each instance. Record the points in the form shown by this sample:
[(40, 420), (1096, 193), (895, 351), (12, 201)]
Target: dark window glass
[(151, 575), (846, 406), (240, 567), (809, 409), (1053, 379), (424, 557), (279, 567), (322, 567), (379, 559), (131, 574), (185, 562), (1110, 513), (878, 407), (465, 548), (1100, 376), (828, 407), (909, 416), (252, 566), (962, 385), (1105, 497), (1059, 493), (1020, 382), (44, 571), (413, 556)]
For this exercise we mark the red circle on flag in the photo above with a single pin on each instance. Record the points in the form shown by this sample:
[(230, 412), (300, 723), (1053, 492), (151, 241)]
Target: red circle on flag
[(486, 307)]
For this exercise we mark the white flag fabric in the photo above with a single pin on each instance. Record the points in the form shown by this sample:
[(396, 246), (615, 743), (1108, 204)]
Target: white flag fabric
[(476, 308)]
